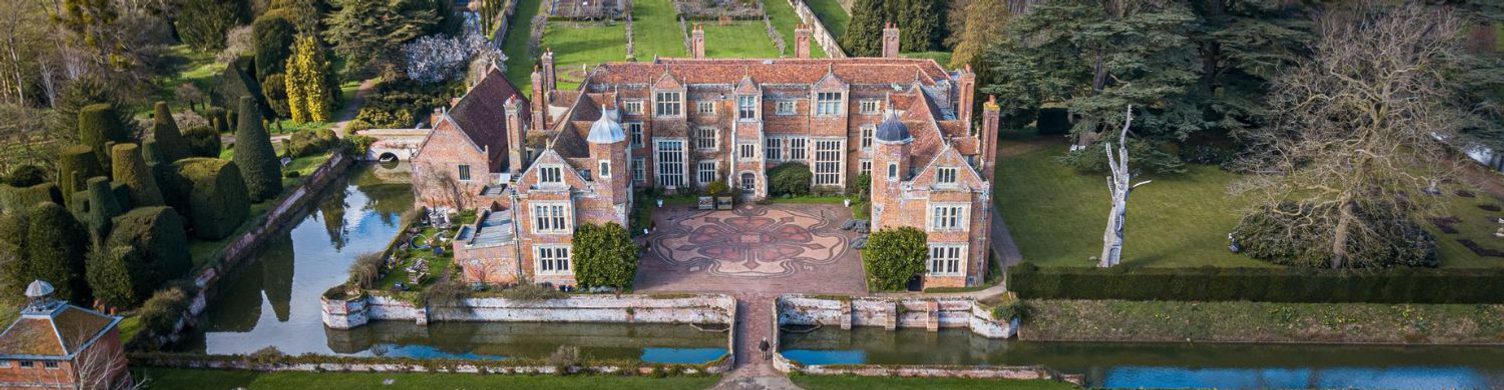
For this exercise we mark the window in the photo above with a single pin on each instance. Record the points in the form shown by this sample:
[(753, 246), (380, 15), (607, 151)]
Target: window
[(668, 104), (464, 172), (27, 364), (828, 103), (553, 260), (705, 108), (4, 364), (786, 107), (671, 163), (633, 107), (869, 106), (774, 150), (551, 175), (635, 129), (945, 260), (867, 136), (748, 150), (605, 168), (865, 167), (707, 172), (551, 218), (946, 175), (585, 173), (746, 107), (705, 138), (639, 170), (828, 162), (947, 217), (796, 149), (892, 171), (49, 365)]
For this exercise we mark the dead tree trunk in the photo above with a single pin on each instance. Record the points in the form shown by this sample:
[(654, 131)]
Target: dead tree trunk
[(1118, 187)]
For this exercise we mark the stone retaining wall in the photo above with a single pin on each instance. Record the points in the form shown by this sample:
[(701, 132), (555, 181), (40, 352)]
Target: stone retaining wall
[(347, 364), (892, 313), (698, 309)]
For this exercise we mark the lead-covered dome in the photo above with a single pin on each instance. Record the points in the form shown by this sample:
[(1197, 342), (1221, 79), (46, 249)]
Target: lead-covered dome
[(892, 129), (606, 130)]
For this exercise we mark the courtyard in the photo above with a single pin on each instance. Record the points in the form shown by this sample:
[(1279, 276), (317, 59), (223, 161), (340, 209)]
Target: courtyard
[(753, 248)]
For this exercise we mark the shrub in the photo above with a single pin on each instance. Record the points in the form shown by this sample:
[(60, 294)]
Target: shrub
[(309, 143), (604, 255), (366, 270), (157, 237), (860, 187), (893, 257), (273, 38), (75, 165), (164, 129), (532, 292), (14, 273), (358, 145), (718, 188), (161, 313), (98, 125), (26, 176), (54, 251), (790, 179), (203, 24), (202, 142), (255, 156), (99, 208), (213, 193), (109, 275), (131, 170), (18, 200), (235, 83), (1276, 236), (1258, 284)]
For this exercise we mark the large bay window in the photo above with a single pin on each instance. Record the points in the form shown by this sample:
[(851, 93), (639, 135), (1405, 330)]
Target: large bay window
[(553, 260), (669, 104), (551, 218), (948, 216), (946, 260)]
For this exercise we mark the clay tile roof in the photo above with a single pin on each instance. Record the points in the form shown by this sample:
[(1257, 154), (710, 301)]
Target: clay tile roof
[(779, 71), (57, 334), (481, 115)]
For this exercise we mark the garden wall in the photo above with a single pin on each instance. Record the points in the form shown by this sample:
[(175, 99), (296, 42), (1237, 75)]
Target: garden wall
[(325, 363), (696, 309), (892, 313), (822, 36), (1259, 284)]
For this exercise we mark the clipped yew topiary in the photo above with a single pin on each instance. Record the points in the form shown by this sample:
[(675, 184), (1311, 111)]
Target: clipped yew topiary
[(218, 121), (893, 257), (75, 165), (98, 125), (790, 179), (202, 142), (26, 176), (13, 265), (164, 130), (18, 200), (130, 169), (604, 256), (213, 195), (108, 271), (157, 236), (255, 155), (98, 208), (55, 251)]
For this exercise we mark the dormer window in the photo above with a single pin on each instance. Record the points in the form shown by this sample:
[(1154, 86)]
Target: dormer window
[(551, 175), (669, 104), (828, 103), (946, 176), (746, 107), (632, 107)]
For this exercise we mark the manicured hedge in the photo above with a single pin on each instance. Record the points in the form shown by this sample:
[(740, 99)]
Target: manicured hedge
[(789, 179), (255, 156), (213, 195), (13, 200), (1259, 284), (158, 238), (202, 142)]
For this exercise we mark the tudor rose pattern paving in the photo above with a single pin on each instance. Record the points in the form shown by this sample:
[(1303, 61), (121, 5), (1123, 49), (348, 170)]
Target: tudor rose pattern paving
[(750, 242)]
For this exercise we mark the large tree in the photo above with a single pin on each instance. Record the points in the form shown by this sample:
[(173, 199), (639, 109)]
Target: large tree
[(369, 32), (983, 24), (864, 34), (203, 24), (1353, 129), (309, 91), (1242, 45)]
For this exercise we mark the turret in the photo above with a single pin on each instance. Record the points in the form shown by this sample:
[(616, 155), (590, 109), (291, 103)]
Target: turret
[(609, 156), (890, 160)]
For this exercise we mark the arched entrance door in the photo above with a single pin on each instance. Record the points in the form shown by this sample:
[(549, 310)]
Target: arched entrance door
[(749, 183)]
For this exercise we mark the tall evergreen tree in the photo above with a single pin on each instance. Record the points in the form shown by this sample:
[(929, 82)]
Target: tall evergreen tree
[(368, 33), (53, 252), (921, 22), (130, 169), (1242, 45), (864, 34), (273, 34), (983, 27), (203, 24), (308, 90), (254, 154), (165, 130)]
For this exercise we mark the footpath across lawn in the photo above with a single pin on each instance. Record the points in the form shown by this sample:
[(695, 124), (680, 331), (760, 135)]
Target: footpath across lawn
[(188, 379), (820, 382)]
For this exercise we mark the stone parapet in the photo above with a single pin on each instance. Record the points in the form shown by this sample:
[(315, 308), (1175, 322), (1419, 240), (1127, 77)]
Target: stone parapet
[(892, 313)]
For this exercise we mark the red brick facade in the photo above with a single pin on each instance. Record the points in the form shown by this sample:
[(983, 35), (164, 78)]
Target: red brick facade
[(54, 345)]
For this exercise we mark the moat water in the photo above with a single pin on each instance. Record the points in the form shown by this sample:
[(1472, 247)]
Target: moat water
[(274, 300), (1157, 365)]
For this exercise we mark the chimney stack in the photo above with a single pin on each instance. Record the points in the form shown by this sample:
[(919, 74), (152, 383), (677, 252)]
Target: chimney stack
[(549, 79), (697, 41), (890, 40), (801, 41)]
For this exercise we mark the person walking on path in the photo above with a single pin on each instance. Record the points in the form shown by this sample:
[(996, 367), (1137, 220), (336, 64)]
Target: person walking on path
[(763, 346)]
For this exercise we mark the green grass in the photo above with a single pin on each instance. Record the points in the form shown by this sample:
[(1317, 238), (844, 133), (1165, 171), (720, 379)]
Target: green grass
[(656, 30), (580, 43), (943, 57), (807, 199), (1475, 224), (785, 20), (1057, 215), (437, 265), (197, 68), (740, 39), (168, 379), (819, 382), (831, 15), (519, 61)]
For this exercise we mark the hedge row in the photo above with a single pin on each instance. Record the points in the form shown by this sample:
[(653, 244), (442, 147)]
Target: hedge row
[(1259, 284)]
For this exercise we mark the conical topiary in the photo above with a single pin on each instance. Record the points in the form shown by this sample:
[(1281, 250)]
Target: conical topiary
[(98, 208), (169, 138), (98, 125), (254, 154), (130, 169), (217, 120), (75, 165)]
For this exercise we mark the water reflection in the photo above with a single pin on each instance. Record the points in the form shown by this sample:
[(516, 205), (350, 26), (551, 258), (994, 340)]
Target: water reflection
[(1123, 365), (656, 343)]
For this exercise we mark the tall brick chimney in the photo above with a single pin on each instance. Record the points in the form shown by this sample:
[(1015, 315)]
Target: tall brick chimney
[(516, 135), (539, 100), (697, 41), (991, 114), (801, 41), (966, 85), (890, 40), (550, 82)]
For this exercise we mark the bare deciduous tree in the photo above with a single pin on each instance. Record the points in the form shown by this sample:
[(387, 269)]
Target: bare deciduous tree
[(1118, 186), (1356, 127)]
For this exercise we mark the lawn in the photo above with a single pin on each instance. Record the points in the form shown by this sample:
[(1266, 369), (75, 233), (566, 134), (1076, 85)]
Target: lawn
[(943, 57), (1057, 215), (581, 45), (785, 20), (741, 39), (818, 382), (656, 30), (519, 61), (167, 379), (831, 15)]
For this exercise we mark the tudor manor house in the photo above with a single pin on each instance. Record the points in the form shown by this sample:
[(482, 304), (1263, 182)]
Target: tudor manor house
[(539, 163)]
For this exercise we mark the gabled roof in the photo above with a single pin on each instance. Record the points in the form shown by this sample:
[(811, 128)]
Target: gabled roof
[(747, 86), (771, 71), (56, 334), (481, 113)]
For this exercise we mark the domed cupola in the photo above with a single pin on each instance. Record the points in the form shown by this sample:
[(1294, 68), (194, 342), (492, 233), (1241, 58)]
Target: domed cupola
[(606, 130), (892, 130)]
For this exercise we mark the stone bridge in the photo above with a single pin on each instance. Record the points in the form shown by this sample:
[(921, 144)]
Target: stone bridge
[(399, 144)]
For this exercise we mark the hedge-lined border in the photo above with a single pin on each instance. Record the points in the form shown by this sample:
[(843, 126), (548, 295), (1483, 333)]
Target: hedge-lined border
[(1259, 284)]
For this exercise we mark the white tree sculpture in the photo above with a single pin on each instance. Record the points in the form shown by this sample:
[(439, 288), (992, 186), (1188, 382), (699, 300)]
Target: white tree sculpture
[(1117, 186)]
